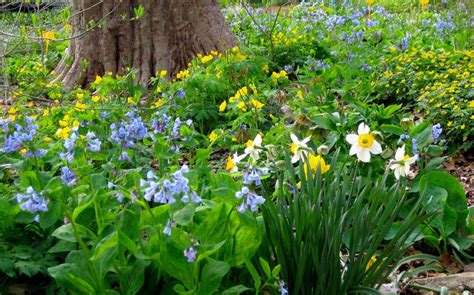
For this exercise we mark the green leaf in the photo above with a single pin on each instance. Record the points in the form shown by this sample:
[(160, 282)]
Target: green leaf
[(65, 232), (98, 181), (212, 275), (236, 290), (392, 129), (125, 241), (265, 267), (185, 215), (254, 273)]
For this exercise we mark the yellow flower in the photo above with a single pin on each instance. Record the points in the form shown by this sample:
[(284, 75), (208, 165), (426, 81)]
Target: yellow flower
[(131, 100), (213, 136), (95, 98), (471, 104), (424, 3), (256, 104), (223, 106), (23, 151), (159, 103), (63, 133), (299, 94), (242, 92), (163, 73), (47, 37), (266, 69), (463, 126), (98, 79), (47, 139), (206, 58), (314, 163), (81, 107), (370, 2), (30, 104), (80, 96), (76, 123), (241, 106), (229, 164), (214, 52), (371, 262), (450, 123), (12, 110)]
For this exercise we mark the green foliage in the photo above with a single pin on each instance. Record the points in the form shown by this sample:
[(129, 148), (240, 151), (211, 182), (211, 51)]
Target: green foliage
[(326, 231)]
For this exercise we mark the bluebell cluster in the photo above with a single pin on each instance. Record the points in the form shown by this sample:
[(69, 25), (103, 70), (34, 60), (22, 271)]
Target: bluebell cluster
[(167, 191), (414, 145), (190, 254), (15, 141), (119, 194), (69, 145), (127, 132), (253, 175), (180, 94), (33, 202), (444, 26), (68, 176), (437, 130), (251, 200), (94, 143), (403, 137), (161, 124), (283, 288)]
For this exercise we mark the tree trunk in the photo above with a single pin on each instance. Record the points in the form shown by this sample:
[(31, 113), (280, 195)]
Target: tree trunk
[(168, 35)]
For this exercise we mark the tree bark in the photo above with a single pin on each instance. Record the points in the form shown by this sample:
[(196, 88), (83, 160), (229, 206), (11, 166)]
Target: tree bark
[(166, 37)]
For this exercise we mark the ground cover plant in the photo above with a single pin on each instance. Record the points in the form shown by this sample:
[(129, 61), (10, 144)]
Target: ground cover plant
[(304, 160)]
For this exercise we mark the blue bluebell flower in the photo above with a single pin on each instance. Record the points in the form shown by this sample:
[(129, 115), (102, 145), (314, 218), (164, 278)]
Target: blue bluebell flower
[(283, 289), (33, 202), (437, 130), (68, 176), (181, 94), (190, 254)]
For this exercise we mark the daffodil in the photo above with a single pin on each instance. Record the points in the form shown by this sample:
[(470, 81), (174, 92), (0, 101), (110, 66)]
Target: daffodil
[(314, 163), (298, 148), (232, 162), (253, 147), (363, 143), (47, 37), (402, 162)]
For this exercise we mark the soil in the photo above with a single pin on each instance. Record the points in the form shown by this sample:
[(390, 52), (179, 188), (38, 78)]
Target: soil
[(462, 166)]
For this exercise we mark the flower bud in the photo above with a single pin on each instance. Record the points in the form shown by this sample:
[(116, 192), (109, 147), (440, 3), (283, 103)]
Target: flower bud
[(323, 150)]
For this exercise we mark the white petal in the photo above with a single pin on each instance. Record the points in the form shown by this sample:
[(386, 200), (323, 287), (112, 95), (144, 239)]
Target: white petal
[(376, 148), (306, 140), (406, 170), (294, 138), (295, 158), (394, 166), (363, 129), (364, 155), (397, 173), (400, 154), (355, 149), (352, 138), (258, 140), (411, 160)]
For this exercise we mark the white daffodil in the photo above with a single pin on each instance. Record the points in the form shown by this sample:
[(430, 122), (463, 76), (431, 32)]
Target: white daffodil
[(232, 162), (254, 147), (402, 162), (363, 143), (298, 148)]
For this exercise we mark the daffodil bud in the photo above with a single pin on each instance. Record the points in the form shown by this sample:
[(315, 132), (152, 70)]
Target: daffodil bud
[(406, 122), (323, 150)]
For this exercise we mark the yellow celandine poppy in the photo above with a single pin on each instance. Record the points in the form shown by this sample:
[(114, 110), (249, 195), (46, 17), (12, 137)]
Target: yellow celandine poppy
[(229, 164), (63, 133), (266, 69), (47, 139), (12, 110), (241, 105), (206, 58), (23, 151), (47, 37), (80, 96), (315, 162), (370, 2), (163, 73), (256, 104), (159, 103), (223, 106), (423, 3), (213, 136), (76, 123), (80, 107), (95, 98)]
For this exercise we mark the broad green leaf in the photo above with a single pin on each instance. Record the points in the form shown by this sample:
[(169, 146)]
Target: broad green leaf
[(212, 275)]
